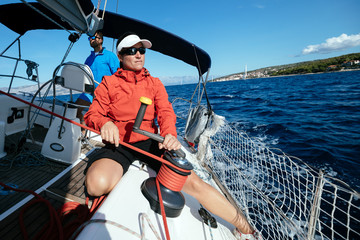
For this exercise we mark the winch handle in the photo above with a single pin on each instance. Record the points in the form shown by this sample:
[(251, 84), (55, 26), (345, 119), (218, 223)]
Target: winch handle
[(139, 118)]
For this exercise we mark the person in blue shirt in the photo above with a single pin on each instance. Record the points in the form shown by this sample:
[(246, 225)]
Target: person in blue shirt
[(102, 63)]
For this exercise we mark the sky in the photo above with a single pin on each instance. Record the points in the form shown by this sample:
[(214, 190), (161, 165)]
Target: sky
[(235, 33)]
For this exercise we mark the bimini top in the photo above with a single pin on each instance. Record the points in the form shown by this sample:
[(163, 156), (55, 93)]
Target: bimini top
[(20, 18)]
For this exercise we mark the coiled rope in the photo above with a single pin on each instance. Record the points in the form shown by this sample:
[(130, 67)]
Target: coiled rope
[(61, 224)]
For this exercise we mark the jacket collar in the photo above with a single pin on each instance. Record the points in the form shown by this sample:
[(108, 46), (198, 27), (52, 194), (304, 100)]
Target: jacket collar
[(101, 51), (131, 76)]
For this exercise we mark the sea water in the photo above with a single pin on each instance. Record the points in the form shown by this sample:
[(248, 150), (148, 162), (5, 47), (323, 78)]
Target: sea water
[(314, 117)]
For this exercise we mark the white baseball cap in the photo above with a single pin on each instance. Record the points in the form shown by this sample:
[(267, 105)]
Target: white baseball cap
[(131, 40)]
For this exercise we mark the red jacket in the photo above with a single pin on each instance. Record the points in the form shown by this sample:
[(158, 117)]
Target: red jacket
[(117, 100)]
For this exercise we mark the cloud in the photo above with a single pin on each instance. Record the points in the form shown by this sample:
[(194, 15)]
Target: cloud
[(334, 44)]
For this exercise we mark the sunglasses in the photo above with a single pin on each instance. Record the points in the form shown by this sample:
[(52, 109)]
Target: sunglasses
[(93, 38), (133, 51)]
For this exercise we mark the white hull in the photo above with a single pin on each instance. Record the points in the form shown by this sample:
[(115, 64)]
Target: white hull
[(126, 205)]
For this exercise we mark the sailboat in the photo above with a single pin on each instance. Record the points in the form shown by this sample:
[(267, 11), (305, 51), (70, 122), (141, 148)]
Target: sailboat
[(43, 155)]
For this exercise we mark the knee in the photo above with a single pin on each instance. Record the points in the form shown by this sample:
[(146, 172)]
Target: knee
[(195, 185), (97, 185), (102, 176)]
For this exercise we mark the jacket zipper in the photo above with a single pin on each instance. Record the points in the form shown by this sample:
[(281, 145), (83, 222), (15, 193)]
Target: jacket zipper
[(135, 79)]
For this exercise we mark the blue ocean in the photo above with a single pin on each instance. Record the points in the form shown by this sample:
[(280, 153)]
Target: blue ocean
[(314, 117)]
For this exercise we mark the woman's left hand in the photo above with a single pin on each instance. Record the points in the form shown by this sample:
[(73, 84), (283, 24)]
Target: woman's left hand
[(170, 143)]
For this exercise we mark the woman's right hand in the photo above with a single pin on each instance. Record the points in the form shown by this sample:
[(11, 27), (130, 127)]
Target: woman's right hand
[(110, 133)]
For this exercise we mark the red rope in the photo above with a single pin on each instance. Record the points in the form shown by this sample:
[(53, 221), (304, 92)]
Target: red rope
[(93, 130), (73, 214), (162, 208), (170, 179), (96, 204), (62, 223), (55, 224)]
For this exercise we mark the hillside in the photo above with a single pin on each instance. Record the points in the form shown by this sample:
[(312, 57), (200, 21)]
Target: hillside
[(349, 61)]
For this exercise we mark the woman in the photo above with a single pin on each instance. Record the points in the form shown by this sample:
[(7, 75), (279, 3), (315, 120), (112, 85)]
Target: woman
[(113, 112)]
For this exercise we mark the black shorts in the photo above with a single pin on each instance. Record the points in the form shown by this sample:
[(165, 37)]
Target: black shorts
[(126, 156)]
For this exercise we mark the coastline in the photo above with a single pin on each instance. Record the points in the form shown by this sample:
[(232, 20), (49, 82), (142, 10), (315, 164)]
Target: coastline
[(236, 77), (34, 87)]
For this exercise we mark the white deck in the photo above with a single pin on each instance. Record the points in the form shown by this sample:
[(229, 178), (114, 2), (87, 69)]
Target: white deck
[(125, 205)]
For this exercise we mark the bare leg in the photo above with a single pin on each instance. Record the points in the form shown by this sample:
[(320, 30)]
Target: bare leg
[(102, 176), (216, 203)]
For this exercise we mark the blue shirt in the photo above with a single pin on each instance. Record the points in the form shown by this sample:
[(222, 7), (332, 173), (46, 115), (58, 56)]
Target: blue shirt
[(104, 63)]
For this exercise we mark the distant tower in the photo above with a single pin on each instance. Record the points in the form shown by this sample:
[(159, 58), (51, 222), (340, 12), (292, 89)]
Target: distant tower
[(245, 72)]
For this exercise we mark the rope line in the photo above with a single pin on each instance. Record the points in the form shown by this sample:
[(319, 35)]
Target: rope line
[(105, 222), (97, 132), (170, 179), (167, 177), (143, 217), (162, 208), (61, 224)]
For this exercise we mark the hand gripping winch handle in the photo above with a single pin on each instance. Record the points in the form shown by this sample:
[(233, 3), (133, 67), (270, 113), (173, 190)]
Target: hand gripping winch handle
[(139, 118)]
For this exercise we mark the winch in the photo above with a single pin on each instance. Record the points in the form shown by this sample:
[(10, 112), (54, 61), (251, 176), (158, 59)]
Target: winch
[(170, 180)]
